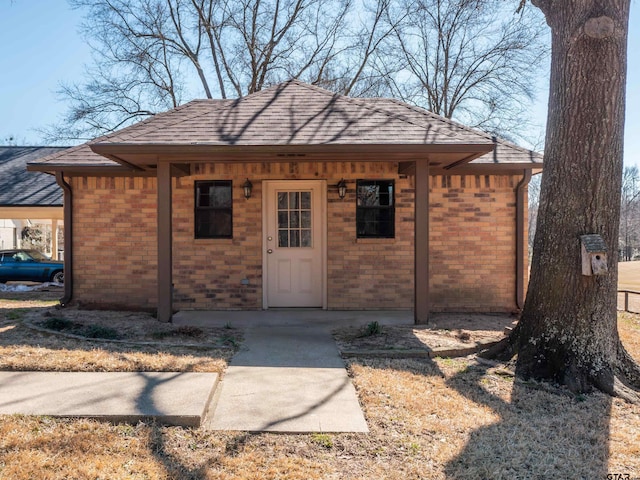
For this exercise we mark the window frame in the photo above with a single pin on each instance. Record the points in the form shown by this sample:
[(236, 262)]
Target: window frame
[(200, 210), (360, 209)]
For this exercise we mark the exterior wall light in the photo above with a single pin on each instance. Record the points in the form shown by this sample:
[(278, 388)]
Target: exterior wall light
[(247, 186), (342, 188)]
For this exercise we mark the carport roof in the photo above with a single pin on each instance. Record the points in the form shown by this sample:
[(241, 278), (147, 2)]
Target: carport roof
[(20, 188)]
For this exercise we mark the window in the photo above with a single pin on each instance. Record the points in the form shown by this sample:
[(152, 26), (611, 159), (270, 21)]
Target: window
[(213, 209), (375, 210), (294, 219)]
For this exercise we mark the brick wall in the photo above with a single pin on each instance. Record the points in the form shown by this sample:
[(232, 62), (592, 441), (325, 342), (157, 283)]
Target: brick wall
[(472, 241), (361, 274), (114, 242), (369, 273), (208, 273)]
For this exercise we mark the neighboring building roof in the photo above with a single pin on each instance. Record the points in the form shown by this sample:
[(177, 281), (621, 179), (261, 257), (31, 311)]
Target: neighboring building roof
[(290, 114), (18, 187)]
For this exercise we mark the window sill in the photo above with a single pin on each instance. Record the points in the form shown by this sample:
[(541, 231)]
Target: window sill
[(203, 240), (377, 241)]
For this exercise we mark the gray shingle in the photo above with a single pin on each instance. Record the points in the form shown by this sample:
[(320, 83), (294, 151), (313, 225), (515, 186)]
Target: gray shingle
[(295, 113), (292, 113), (18, 187), (504, 152)]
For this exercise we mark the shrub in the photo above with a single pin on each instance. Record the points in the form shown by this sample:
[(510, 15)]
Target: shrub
[(58, 324), (188, 331), (322, 439), (229, 341), (184, 331), (100, 331), (15, 315), (372, 328)]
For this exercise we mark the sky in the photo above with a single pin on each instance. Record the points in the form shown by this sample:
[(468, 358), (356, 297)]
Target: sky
[(41, 48)]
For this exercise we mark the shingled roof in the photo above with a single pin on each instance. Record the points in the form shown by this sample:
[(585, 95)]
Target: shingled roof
[(288, 115), (20, 188)]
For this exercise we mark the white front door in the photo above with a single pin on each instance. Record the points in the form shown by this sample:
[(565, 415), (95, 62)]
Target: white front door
[(294, 243)]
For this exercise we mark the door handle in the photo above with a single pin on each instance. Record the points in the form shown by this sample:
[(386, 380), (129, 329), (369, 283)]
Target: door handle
[(270, 251)]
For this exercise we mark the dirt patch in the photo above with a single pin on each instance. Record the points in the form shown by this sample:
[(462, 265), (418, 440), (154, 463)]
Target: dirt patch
[(133, 327), (445, 333), (35, 335)]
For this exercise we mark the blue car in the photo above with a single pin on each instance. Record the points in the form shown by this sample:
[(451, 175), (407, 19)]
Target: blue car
[(29, 265)]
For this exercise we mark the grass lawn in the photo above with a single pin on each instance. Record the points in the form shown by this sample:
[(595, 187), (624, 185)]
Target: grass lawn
[(629, 276), (429, 419), (629, 279)]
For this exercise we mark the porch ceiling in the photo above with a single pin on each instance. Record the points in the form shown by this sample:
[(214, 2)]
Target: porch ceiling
[(145, 157)]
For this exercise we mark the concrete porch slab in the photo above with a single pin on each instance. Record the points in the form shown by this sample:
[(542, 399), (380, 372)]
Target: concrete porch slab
[(301, 317), (287, 379), (170, 398)]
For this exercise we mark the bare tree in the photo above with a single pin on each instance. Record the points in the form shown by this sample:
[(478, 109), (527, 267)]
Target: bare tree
[(568, 328), (152, 55), (629, 213), (471, 60), (534, 204), (149, 55)]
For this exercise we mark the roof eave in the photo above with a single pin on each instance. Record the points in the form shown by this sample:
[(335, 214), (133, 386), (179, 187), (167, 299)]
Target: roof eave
[(148, 155), (88, 169)]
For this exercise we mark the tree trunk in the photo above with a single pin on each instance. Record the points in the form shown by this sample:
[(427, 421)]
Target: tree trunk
[(568, 328)]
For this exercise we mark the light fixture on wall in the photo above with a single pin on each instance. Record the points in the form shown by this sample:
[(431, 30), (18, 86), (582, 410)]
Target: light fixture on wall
[(247, 186), (342, 188)]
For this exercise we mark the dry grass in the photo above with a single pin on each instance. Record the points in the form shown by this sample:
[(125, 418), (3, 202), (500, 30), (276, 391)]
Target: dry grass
[(446, 419), (629, 276), (429, 419), (25, 348), (629, 330), (629, 279), (444, 332)]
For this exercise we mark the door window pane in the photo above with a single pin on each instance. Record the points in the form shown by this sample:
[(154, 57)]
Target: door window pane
[(294, 219), (283, 219), (305, 239), (305, 200), (305, 220), (283, 238), (283, 200), (294, 200), (294, 238)]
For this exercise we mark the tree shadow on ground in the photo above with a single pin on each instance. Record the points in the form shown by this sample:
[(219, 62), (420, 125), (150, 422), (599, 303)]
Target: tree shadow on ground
[(27, 342), (175, 466), (543, 431)]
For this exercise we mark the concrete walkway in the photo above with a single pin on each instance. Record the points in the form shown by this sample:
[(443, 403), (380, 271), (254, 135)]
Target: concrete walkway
[(169, 398), (287, 379), (288, 375)]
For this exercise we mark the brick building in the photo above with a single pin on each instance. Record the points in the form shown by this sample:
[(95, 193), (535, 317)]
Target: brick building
[(295, 197)]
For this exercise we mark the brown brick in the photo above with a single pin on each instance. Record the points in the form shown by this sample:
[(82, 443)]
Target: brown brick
[(472, 241)]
